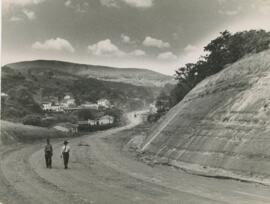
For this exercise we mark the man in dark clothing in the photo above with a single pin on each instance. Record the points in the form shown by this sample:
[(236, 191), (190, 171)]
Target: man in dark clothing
[(65, 153), (48, 150)]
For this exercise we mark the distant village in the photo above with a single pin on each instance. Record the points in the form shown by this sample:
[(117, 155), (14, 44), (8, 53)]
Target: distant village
[(52, 105), (68, 104)]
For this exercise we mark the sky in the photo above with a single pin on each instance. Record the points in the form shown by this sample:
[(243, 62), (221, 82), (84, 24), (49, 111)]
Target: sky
[(160, 35)]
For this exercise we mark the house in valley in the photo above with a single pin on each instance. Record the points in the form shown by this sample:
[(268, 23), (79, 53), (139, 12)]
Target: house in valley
[(68, 102), (104, 103), (57, 108), (92, 122), (106, 120), (51, 107), (3, 94), (46, 106)]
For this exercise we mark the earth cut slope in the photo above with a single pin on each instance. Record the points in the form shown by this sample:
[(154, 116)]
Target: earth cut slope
[(223, 124)]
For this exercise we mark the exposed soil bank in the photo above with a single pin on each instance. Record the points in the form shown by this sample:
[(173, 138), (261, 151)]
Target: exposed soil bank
[(222, 127), (16, 132)]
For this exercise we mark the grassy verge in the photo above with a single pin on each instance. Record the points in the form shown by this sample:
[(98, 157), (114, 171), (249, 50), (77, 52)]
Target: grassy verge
[(16, 132)]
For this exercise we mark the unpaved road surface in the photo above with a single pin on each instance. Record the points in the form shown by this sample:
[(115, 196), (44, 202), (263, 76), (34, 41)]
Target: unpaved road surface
[(101, 173)]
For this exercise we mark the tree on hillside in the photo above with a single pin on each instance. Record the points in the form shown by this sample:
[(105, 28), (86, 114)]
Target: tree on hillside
[(218, 50), (163, 102), (32, 119), (225, 49)]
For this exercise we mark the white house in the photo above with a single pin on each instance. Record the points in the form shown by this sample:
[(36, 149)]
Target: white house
[(152, 108), (106, 120), (68, 101), (46, 106), (49, 106), (92, 122), (104, 103), (3, 94), (67, 97), (56, 108)]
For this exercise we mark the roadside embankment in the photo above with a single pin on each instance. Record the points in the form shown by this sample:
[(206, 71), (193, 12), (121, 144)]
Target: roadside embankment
[(16, 132), (222, 127)]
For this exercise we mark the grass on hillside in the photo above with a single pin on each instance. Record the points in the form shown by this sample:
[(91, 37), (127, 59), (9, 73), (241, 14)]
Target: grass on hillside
[(16, 132)]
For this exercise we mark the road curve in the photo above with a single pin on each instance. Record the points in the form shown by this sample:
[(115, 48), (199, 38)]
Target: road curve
[(101, 173)]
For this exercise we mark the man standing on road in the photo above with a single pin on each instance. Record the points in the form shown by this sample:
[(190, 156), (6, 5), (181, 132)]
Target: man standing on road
[(65, 153), (48, 154)]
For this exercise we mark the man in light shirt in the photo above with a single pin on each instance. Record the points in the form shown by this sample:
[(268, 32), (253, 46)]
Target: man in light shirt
[(65, 153)]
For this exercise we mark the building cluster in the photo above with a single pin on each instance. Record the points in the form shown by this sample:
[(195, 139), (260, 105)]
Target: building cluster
[(73, 128), (68, 104), (104, 120)]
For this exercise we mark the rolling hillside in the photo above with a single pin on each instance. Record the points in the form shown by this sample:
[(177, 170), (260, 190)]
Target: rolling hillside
[(28, 88), (222, 127), (139, 77)]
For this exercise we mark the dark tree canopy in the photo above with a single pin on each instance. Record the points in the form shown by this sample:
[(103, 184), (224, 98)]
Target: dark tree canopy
[(226, 49)]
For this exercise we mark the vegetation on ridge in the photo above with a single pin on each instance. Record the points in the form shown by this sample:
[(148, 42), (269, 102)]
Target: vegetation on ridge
[(222, 51)]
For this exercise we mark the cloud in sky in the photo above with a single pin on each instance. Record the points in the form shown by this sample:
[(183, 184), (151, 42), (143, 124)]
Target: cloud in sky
[(29, 14), (190, 48), (109, 3), (192, 53), (139, 3), (108, 49), (68, 3), (169, 25), (126, 39), (131, 3), (221, 1), (167, 56), (263, 6), (80, 7), (230, 12), (9, 5), (105, 48), (58, 44), (21, 2), (152, 42)]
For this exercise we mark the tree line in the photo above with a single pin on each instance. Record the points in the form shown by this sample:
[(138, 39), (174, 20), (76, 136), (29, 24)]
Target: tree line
[(224, 50)]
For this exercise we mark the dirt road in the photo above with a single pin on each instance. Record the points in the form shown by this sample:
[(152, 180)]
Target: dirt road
[(101, 173)]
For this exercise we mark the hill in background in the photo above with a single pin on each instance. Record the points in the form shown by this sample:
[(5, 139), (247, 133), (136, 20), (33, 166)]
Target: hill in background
[(138, 77), (28, 84)]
